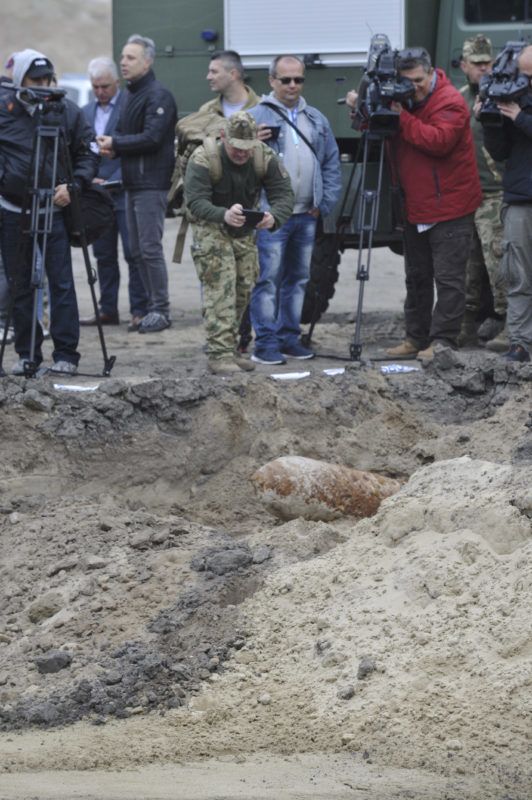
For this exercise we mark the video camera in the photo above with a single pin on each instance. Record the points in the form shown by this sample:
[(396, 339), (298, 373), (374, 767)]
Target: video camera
[(48, 99), (503, 85), (381, 85)]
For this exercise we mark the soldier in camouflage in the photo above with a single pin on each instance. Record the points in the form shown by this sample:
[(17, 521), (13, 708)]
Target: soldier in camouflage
[(482, 275), (223, 248)]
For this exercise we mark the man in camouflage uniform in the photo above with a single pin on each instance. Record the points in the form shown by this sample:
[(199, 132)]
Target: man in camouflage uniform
[(482, 274), (221, 180)]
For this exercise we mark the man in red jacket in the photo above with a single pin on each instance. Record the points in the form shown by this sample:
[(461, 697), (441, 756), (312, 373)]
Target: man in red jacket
[(438, 174)]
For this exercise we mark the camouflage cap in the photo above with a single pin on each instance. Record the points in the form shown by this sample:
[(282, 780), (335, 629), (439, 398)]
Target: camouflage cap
[(241, 131), (477, 49)]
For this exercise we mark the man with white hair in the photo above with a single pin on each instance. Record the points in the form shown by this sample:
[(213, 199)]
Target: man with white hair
[(144, 140), (102, 115), (18, 108)]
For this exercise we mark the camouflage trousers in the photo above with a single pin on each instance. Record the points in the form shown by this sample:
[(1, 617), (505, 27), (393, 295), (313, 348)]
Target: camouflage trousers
[(228, 269), (485, 257)]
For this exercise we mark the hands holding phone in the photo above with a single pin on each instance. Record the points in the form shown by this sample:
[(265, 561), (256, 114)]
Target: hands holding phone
[(237, 217)]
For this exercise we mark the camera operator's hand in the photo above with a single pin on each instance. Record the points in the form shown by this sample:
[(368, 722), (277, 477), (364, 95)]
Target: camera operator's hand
[(510, 110), (351, 98), (61, 195), (477, 105), (396, 107), (266, 222), (234, 216)]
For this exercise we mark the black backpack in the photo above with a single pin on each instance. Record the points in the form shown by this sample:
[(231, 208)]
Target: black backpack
[(96, 215)]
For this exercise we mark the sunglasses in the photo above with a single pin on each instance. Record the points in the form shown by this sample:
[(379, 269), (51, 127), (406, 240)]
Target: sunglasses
[(286, 81)]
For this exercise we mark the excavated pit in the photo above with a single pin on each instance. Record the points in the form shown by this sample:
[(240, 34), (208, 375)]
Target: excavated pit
[(134, 545)]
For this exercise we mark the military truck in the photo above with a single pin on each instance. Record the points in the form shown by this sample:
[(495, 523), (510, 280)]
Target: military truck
[(333, 38)]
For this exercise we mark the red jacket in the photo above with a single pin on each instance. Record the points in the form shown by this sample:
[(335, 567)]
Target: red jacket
[(436, 157)]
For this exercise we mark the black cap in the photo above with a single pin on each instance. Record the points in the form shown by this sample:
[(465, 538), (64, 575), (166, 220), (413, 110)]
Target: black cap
[(40, 68)]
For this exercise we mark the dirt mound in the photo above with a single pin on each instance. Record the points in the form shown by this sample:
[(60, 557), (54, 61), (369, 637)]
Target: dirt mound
[(142, 578)]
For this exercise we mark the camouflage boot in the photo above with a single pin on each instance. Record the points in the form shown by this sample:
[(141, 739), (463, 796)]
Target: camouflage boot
[(500, 343)]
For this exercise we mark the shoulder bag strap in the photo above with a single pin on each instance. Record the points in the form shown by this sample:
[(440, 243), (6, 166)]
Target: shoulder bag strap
[(287, 119)]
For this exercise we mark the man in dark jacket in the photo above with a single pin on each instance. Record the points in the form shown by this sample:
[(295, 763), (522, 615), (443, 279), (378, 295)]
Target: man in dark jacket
[(144, 140), (439, 178), (102, 115), (18, 110), (512, 143)]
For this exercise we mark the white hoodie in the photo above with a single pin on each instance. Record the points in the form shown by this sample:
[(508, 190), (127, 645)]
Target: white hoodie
[(22, 62)]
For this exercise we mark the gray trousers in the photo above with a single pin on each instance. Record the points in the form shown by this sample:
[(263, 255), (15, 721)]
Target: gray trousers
[(145, 209), (516, 270)]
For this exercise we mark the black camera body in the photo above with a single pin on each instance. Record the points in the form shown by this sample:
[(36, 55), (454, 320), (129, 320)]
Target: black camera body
[(47, 99), (504, 85), (380, 87)]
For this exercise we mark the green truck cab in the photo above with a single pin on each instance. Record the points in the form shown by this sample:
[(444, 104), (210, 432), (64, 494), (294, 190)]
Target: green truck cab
[(333, 39)]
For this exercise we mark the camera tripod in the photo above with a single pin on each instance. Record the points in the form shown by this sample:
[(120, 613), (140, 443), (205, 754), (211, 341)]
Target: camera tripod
[(367, 217), (49, 148)]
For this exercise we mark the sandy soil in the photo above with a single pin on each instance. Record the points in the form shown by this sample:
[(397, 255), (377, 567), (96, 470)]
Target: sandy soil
[(209, 650)]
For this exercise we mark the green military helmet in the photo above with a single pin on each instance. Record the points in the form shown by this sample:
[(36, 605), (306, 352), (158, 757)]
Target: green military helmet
[(241, 131), (477, 49)]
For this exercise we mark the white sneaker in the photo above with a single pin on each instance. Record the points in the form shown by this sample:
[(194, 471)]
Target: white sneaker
[(66, 367), (18, 367)]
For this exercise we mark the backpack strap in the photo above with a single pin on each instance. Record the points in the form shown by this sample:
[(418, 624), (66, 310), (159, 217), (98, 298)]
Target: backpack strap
[(212, 150), (259, 162)]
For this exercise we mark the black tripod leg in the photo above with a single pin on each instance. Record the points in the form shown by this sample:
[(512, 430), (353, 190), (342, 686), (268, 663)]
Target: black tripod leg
[(108, 361), (368, 221)]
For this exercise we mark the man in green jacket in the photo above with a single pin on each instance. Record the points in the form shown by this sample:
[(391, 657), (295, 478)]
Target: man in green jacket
[(483, 266), (221, 180)]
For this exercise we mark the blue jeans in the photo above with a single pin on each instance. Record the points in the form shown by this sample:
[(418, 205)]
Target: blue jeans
[(17, 256), (277, 299), (106, 254), (146, 210)]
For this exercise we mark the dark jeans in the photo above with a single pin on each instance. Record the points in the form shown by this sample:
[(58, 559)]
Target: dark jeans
[(64, 318), (437, 256), (145, 209), (106, 254)]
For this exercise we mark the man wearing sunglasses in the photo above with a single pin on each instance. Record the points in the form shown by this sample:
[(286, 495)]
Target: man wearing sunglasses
[(308, 149), (512, 143), (437, 171)]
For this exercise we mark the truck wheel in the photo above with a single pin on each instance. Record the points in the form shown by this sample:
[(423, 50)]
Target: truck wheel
[(323, 277)]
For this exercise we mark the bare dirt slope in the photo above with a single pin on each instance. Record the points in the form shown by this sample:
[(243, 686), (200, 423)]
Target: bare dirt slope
[(152, 610)]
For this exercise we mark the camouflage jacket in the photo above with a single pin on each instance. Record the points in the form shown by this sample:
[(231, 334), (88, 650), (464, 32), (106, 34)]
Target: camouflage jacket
[(490, 171), (207, 202)]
